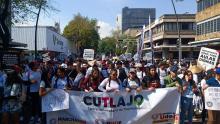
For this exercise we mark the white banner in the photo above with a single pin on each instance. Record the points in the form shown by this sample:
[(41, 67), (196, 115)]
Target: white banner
[(212, 98), (88, 54), (157, 107), (208, 58), (55, 100)]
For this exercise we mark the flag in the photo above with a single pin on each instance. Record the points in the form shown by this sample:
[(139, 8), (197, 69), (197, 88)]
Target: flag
[(151, 41), (140, 44)]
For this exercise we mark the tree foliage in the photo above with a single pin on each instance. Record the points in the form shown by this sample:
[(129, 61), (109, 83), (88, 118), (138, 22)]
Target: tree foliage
[(24, 10), (17, 11), (125, 43), (107, 46), (83, 32)]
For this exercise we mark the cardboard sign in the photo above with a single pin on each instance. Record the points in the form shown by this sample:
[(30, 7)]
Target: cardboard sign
[(212, 98), (88, 54), (208, 58)]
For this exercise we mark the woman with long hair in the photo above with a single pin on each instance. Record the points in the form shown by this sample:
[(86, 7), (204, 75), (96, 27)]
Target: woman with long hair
[(112, 83), (189, 88), (151, 80), (91, 83), (11, 99)]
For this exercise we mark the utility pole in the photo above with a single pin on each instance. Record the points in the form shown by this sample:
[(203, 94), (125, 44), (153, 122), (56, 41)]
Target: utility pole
[(36, 26), (179, 42)]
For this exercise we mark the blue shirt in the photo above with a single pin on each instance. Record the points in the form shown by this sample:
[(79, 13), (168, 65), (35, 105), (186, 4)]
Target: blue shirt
[(212, 82)]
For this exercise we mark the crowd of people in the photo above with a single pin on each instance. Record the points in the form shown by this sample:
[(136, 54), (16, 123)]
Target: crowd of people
[(22, 86)]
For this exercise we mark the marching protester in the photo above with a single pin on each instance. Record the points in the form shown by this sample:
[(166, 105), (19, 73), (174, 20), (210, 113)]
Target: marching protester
[(132, 82), (104, 69), (121, 72), (3, 77), (33, 78), (126, 67), (209, 74), (140, 73), (162, 72), (189, 88), (79, 78), (91, 83), (11, 104), (60, 80), (45, 87), (213, 115), (112, 83), (172, 80), (151, 80), (46, 83)]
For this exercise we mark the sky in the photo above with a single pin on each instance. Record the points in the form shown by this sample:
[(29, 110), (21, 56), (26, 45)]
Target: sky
[(106, 11)]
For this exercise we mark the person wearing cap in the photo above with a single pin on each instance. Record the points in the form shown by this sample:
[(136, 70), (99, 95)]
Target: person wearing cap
[(151, 80), (132, 82), (213, 115), (172, 80)]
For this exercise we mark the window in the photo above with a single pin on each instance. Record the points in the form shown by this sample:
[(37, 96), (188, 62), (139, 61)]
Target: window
[(185, 26), (218, 24), (215, 25)]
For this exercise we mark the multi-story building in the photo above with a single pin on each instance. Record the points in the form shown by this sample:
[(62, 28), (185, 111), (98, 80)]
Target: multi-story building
[(165, 35), (208, 24), (136, 17)]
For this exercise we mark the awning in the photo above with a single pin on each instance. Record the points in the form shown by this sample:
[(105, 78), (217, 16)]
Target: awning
[(213, 41), (15, 44)]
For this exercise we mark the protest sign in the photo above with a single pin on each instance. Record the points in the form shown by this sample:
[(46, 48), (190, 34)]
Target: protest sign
[(212, 98), (55, 100), (120, 108), (207, 58), (88, 54)]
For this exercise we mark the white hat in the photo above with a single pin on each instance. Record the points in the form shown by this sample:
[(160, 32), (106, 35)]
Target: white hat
[(63, 65), (138, 65)]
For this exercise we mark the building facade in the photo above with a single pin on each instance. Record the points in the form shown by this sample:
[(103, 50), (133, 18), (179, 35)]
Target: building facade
[(208, 24), (136, 17), (164, 36), (48, 40)]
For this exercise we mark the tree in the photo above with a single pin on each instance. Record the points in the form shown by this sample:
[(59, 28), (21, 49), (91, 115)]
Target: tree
[(83, 32), (107, 45), (125, 43), (17, 11)]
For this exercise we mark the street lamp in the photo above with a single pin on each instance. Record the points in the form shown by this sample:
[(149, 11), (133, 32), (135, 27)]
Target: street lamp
[(35, 38), (179, 42)]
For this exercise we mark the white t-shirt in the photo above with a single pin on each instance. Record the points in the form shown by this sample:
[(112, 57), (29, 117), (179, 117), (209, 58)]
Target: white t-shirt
[(133, 83), (105, 83), (162, 75), (203, 83), (33, 75), (140, 74), (61, 83)]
